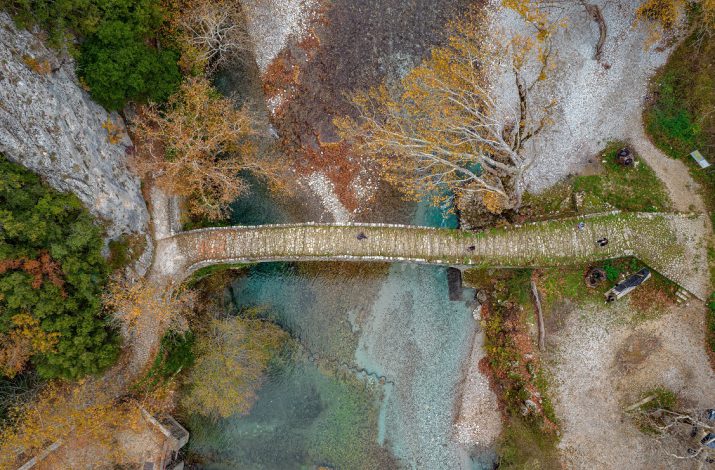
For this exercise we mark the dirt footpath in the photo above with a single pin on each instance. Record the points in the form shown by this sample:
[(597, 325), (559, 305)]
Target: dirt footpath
[(601, 363)]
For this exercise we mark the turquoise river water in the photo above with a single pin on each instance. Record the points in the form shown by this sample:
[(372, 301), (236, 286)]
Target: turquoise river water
[(374, 381)]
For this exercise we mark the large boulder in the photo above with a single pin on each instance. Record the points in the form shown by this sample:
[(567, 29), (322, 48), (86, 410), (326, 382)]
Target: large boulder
[(49, 124)]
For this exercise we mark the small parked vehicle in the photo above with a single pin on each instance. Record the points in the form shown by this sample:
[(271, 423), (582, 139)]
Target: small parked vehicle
[(627, 285)]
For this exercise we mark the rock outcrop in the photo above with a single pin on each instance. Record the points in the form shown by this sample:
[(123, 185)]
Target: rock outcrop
[(49, 124)]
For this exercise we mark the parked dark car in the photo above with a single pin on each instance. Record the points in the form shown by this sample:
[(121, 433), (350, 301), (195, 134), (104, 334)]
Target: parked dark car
[(627, 285)]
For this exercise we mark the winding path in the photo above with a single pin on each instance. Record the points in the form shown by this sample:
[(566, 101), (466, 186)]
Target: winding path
[(672, 244)]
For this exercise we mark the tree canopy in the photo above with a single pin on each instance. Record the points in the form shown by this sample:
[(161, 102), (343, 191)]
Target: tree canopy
[(231, 360), (118, 66), (51, 276), (119, 58), (441, 129), (197, 147)]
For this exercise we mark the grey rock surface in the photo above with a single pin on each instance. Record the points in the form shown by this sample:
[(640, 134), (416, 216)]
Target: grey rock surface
[(49, 124)]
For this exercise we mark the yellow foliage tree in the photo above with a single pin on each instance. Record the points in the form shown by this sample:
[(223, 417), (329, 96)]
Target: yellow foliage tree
[(25, 339), (442, 129), (198, 147), (663, 15), (63, 412), (230, 366)]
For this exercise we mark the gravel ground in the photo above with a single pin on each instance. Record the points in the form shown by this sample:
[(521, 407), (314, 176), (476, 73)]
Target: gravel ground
[(602, 363), (478, 421), (597, 101), (273, 23), (325, 190)]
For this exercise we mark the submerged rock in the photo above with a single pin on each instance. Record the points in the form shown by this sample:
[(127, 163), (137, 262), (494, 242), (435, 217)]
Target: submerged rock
[(49, 124)]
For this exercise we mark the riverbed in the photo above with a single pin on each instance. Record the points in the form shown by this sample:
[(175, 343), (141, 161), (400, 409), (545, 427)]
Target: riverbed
[(375, 380)]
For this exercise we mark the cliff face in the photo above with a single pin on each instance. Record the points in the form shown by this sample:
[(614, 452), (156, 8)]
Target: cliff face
[(49, 124)]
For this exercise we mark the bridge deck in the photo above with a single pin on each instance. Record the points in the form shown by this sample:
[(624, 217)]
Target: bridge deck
[(671, 244)]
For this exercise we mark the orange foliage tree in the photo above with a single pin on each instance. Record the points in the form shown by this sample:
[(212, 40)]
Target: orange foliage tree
[(22, 342), (197, 147), (146, 305), (443, 129)]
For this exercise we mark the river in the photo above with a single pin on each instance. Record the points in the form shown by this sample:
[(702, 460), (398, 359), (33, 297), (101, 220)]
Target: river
[(375, 381)]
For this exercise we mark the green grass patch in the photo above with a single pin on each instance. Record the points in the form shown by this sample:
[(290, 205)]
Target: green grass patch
[(522, 446), (632, 189), (558, 284), (629, 189), (664, 399), (175, 354)]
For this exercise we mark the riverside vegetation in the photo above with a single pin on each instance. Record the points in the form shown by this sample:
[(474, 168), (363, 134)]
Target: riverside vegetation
[(679, 115)]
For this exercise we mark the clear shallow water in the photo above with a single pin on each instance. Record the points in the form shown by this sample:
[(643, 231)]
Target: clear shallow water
[(374, 386)]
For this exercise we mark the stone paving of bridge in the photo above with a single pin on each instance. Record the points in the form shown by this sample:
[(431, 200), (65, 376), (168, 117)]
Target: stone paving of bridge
[(672, 244)]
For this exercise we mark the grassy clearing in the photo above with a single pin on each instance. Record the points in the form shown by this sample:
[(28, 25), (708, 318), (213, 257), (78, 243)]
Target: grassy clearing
[(652, 297), (629, 189)]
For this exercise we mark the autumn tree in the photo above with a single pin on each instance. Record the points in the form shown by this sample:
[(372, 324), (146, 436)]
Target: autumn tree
[(24, 340), (79, 413), (683, 433), (197, 147), (213, 32), (230, 366), (443, 128), (145, 311)]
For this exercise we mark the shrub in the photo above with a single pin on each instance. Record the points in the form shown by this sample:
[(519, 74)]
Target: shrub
[(118, 66), (175, 354), (60, 278)]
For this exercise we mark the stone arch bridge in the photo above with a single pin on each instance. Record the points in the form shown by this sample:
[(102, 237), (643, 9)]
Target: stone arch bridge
[(675, 245)]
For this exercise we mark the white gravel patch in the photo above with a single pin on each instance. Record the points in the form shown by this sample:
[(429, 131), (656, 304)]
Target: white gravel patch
[(596, 101), (325, 190), (478, 423), (272, 23)]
